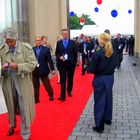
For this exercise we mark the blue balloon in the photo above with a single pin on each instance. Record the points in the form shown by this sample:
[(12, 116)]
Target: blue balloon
[(114, 13), (96, 9), (129, 11), (72, 14)]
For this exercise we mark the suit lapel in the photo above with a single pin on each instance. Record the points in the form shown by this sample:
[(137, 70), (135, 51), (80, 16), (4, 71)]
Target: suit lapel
[(62, 46)]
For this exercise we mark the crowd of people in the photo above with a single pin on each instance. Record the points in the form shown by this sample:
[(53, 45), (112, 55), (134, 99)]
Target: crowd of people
[(23, 66)]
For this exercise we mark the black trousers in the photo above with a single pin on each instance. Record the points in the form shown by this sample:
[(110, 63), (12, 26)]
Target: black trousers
[(84, 62), (119, 57), (131, 51), (46, 82), (66, 75)]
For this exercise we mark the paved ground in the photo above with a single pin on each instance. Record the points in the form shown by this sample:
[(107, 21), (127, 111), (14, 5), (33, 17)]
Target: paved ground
[(126, 108)]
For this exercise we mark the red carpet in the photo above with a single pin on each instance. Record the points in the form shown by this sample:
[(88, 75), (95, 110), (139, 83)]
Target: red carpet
[(55, 120)]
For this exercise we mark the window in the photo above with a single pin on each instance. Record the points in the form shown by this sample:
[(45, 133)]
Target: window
[(14, 13)]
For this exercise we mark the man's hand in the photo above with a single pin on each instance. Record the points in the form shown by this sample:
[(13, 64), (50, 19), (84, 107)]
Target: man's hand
[(13, 66), (62, 58), (53, 72), (5, 66)]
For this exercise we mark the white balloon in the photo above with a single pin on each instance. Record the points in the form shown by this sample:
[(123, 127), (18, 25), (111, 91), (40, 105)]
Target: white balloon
[(79, 15), (82, 23)]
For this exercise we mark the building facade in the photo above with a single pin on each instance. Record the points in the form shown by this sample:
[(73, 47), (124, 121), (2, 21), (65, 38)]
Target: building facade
[(47, 17), (137, 28)]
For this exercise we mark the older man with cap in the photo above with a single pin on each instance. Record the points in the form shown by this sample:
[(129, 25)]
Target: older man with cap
[(18, 61)]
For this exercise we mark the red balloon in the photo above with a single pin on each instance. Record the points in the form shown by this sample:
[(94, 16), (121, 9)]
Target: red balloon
[(99, 2), (82, 20)]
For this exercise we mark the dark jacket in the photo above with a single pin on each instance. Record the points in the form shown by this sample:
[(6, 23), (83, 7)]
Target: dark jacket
[(71, 51), (44, 59), (102, 65), (88, 48), (119, 45)]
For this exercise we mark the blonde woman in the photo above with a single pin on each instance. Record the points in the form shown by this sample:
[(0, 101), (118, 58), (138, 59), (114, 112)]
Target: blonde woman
[(102, 66)]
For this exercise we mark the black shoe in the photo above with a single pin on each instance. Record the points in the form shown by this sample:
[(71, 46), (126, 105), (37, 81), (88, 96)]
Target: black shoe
[(97, 129), (10, 131), (51, 98), (108, 122), (83, 73), (69, 94), (61, 99)]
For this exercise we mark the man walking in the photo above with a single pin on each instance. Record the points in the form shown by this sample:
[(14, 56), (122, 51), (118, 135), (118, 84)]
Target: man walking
[(66, 55), (42, 69)]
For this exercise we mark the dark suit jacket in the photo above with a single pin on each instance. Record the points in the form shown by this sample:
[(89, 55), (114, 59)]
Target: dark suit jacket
[(44, 59), (117, 43), (88, 48), (71, 51)]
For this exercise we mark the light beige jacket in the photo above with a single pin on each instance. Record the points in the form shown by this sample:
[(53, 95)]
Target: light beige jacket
[(26, 61)]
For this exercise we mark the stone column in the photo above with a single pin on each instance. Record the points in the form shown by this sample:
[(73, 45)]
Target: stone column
[(137, 28), (23, 20), (47, 17)]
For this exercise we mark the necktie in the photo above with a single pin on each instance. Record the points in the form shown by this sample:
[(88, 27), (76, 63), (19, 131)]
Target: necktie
[(65, 44)]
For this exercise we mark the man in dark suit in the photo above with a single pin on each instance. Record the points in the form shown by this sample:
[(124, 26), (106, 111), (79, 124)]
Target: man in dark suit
[(119, 45), (85, 48), (131, 46), (42, 70), (66, 55)]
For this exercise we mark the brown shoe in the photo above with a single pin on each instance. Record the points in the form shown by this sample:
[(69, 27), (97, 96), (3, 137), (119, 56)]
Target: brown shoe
[(10, 131)]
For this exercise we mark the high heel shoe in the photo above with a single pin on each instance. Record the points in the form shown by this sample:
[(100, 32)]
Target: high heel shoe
[(97, 129)]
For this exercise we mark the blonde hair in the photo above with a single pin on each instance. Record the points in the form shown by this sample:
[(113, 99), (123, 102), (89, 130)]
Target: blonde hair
[(104, 41), (59, 37), (42, 37)]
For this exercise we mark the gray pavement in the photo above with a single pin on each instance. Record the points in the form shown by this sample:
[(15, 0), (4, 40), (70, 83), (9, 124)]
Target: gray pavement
[(126, 108)]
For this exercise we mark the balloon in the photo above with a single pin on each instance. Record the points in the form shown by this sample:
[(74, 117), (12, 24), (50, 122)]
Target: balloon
[(99, 2), (79, 15), (82, 20), (72, 14), (82, 23), (114, 13), (96, 9), (129, 11)]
